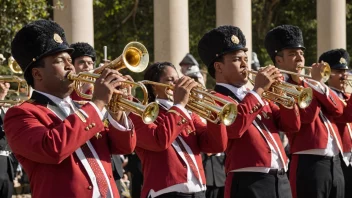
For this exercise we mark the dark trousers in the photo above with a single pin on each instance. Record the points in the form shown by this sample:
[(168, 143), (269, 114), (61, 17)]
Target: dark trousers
[(182, 195), (6, 184), (319, 177), (260, 185), (347, 173), (214, 192)]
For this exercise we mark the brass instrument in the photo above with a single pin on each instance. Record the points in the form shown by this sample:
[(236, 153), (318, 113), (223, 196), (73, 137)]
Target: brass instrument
[(204, 103), (148, 112), (18, 95), (287, 94), (135, 57), (14, 67), (325, 73)]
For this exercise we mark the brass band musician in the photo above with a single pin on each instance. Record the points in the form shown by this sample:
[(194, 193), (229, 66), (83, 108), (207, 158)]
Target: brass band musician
[(63, 146)]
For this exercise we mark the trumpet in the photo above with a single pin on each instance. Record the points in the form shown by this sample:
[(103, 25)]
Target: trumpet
[(148, 112), (135, 57), (18, 95), (204, 103), (286, 94), (14, 67), (325, 73)]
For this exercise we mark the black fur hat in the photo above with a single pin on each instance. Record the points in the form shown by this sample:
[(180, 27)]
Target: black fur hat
[(337, 58), (283, 37), (37, 40), (82, 49), (220, 41)]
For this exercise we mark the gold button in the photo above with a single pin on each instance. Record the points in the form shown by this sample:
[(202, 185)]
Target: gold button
[(250, 111), (179, 123), (90, 126), (184, 120), (87, 128), (189, 131), (93, 124), (90, 187)]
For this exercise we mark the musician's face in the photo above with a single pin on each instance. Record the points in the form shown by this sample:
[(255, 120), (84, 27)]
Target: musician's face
[(51, 78), (290, 59), (337, 78), (231, 69), (169, 76), (83, 64)]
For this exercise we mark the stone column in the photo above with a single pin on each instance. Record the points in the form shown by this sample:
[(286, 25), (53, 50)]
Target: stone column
[(331, 16), (76, 17), (237, 13), (171, 34)]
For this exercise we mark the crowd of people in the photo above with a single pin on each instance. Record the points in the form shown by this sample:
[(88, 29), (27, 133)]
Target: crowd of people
[(280, 144)]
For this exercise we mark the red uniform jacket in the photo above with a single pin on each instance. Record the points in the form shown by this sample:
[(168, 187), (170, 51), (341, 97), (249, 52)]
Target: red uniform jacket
[(246, 146), (342, 122), (45, 146), (162, 166), (313, 133)]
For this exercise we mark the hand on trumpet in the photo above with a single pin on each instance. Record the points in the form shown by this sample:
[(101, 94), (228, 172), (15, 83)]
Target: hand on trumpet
[(105, 86), (317, 70), (183, 87), (4, 88), (265, 78)]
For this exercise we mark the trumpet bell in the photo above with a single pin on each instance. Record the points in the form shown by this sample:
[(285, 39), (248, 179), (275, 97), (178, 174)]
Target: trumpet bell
[(150, 113), (14, 66), (228, 114), (326, 72), (135, 57), (305, 98)]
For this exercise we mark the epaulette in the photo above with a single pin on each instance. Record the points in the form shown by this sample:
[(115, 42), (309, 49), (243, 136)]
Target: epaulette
[(81, 102)]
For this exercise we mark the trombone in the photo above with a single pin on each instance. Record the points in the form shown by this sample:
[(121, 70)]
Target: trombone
[(286, 94), (204, 103), (135, 57), (325, 73)]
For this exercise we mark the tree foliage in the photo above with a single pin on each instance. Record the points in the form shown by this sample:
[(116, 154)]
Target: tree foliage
[(13, 15)]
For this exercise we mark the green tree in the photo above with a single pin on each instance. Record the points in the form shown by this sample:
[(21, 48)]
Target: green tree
[(14, 14)]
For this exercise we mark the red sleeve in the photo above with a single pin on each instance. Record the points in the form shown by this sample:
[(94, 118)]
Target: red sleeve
[(121, 142), (331, 104), (346, 117), (159, 135), (287, 120), (32, 134), (212, 138)]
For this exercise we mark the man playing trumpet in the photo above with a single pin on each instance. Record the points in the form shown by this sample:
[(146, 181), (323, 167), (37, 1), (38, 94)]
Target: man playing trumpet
[(63, 147), (256, 163), (315, 169), (338, 60)]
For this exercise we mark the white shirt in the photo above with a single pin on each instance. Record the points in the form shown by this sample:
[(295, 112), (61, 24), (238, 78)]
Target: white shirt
[(276, 163), (192, 185)]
